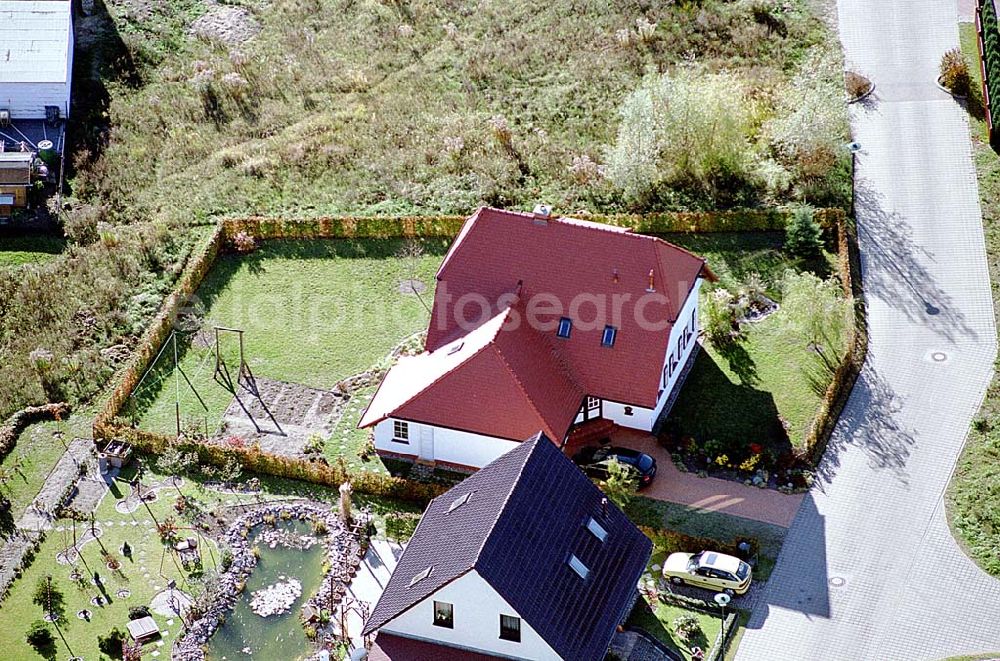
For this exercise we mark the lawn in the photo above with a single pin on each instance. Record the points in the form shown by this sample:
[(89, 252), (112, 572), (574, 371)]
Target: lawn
[(973, 497), (312, 312), (74, 636), (20, 250), (767, 388), (660, 623), (36, 453)]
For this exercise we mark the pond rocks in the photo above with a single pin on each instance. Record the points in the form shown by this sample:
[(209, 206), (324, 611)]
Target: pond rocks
[(276, 598)]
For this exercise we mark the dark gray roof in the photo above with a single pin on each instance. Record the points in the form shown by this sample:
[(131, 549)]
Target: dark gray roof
[(527, 514)]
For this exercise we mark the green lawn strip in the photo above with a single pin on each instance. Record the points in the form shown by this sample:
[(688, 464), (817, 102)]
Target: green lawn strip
[(973, 498), (36, 454), (313, 313), (21, 250), (975, 657), (702, 523)]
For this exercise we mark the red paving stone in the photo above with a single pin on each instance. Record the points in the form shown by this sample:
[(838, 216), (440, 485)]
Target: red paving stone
[(708, 493)]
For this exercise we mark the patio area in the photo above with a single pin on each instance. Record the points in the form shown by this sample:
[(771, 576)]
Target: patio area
[(705, 493)]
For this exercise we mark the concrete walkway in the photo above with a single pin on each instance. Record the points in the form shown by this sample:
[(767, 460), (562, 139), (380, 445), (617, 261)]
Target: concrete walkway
[(869, 569), (709, 493)]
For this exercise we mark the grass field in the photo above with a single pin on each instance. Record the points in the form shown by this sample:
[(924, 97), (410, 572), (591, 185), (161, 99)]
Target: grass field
[(767, 388), (973, 497), (21, 250), (313, 312)]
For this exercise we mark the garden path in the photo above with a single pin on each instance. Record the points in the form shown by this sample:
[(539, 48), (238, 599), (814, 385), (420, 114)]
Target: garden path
[(869, 568)]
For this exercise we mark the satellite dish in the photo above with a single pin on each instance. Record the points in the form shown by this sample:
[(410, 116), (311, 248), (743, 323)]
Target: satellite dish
[(722, 599)]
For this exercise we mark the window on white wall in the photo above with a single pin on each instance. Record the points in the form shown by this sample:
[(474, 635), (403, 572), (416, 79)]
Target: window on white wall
[(510, 628), (444, 615), (400, 431)]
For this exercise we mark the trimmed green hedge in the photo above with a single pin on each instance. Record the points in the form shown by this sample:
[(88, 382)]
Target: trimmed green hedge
[(991, 52)]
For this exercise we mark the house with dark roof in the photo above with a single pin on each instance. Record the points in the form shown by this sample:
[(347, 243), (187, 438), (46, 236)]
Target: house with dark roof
[(540, 323), (525, 559)]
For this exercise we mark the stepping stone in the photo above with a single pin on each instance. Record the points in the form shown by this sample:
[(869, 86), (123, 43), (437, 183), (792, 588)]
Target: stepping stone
[(159, 643), (155, 653), (170, 623), (135, 523)]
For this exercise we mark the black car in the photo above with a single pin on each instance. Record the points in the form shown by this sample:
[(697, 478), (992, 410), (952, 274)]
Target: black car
[(594, 462)]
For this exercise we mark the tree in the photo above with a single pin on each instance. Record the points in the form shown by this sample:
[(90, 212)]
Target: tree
[(175, 462), (803, 235), (111, 643), (621, 484), (41, 639), (48, 597)]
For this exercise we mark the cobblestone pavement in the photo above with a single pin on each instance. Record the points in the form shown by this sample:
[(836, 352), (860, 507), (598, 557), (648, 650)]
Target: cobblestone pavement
[(869, 569)]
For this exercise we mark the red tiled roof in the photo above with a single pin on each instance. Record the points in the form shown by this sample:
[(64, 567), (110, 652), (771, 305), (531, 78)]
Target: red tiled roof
[(498, 252), (388, 647), (499, 380)]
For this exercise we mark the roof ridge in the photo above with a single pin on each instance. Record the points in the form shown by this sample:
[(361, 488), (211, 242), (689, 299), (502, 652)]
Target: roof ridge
[(538, 438), (440, 376)]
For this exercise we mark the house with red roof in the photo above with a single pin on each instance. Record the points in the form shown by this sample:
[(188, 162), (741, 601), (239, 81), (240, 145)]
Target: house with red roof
[(540, 323)]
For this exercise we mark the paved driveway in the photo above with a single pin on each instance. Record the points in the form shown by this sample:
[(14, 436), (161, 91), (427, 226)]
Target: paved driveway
[(708, 493), (869, 569)]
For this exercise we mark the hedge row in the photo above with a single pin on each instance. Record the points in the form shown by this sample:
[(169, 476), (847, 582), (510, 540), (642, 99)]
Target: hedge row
[(336, 227), (849, 368), (15, 424), (255, 460), (159, 330), (671, 541), (990, 43)]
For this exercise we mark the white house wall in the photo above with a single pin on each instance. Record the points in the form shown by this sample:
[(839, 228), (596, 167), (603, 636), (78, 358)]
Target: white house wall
[(450, 445), (476, 612), (640, 418), (28, 100), (689, 310)]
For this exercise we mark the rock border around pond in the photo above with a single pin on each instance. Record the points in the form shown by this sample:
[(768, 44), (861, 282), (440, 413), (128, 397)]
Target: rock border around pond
[(342, 549)]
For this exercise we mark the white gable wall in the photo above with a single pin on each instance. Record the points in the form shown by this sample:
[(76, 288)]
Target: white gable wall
[(477, 608), (442, 445)]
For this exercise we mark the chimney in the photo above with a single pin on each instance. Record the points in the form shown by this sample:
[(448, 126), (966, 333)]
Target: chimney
[(541, 214), (604, 506), (652, 282)]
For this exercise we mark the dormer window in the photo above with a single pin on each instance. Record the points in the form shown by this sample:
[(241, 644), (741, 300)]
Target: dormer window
[(577, 565), (565, 327), (608, 338), (597, 529)]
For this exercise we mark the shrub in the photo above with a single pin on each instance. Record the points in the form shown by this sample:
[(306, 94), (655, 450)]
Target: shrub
[(803, 235), (856, 84), (809, 130), (686, 627), (955, 72), (111, 643), (686, 129), (138, 612), (622, 483), (40, 638)]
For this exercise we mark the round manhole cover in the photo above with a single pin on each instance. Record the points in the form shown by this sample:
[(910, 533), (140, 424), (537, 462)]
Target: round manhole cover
[(837, 582), (939, 356)]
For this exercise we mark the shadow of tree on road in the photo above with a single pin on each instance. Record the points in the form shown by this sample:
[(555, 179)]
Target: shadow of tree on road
[(870, 422), (895, 267)]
